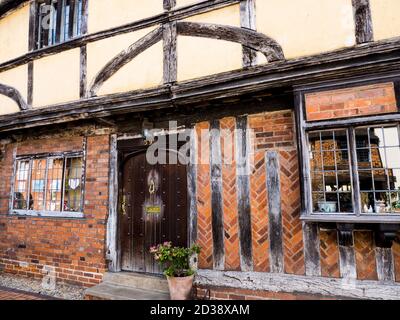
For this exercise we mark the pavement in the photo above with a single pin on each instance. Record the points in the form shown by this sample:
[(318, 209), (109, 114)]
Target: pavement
[(12, 294)]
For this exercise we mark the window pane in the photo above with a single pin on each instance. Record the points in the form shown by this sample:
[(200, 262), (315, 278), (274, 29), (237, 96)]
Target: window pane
[(344, 181), (317, 182), (380, 180), (54, 184), (342, 160), (330, 172), (394, 179), (314, 141), (378, 157), (73, 185), (328, 143), (328, 159), (330, 181), (21, 185), (37, 184), (367, 202), (346, 202), (365, 179), (376, 137), (395, 200), (391, 136), (393, 158)]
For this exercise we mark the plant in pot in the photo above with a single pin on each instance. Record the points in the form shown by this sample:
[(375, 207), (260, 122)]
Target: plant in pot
[(175, 263)]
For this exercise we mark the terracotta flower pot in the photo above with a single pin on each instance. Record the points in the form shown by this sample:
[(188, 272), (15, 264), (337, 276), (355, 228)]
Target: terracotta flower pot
[(180, 288)]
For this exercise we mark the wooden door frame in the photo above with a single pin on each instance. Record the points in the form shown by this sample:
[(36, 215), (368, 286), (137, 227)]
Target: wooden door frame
[(113, 239)]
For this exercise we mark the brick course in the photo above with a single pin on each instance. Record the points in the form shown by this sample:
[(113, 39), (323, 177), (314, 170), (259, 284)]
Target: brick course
[(351, 102), (365, 255), (229, 194), (329, 253)]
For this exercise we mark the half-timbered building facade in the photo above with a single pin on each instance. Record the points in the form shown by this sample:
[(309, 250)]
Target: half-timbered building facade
[(278, 122)]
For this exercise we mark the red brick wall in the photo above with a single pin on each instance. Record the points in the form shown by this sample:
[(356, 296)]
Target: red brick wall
[(329, 253), (204, 199), (229, 195), (359, 101), (276, 131), (272, 131), (75, 248), (365, 255)]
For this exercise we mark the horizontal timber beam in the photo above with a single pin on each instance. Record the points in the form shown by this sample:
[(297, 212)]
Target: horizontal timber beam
[(355, 289), (165, 17), (364, 61)]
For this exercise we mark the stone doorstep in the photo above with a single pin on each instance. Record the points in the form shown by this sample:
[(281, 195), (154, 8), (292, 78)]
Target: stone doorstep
[(129, 286), (108, 291)]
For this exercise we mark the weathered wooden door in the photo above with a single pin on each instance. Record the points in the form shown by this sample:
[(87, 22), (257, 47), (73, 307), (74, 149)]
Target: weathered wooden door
[(153, 210)]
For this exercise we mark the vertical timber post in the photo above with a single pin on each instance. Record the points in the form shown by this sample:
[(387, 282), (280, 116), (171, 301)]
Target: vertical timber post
[(248, 21), (216, 196), (274, 212), (112, 222), (243, 194)]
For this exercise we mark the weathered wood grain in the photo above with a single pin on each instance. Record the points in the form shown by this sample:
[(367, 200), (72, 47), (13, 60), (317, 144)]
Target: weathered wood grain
[(249, 38), (112, 221), (363, 21), (243, 194), (347, 262), (384, 264), (274, 212), (170, 52), (13, 94), (311, 249), (173, 15), (274, 282), (192, 187), (216, 196), (248, 21), (169, 4), (83, 71), (123, 58), (30, 84), (368, 62)]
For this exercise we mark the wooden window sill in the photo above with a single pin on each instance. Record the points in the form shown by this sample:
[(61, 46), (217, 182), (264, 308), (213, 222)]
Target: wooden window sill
[(47, 214), (350, 218)]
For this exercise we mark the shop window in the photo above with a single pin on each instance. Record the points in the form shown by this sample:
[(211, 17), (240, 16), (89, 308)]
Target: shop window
[(51, 185), (376, 169)]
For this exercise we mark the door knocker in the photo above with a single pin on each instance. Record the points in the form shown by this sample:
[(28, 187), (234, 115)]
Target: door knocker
[(152, 186)]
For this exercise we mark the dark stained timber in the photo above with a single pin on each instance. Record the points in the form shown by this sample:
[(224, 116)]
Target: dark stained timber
[(363, 21), (15, 95), (243, 194), (249, 38), (274, 212), (170, 52), (123, 58), (248, 21), (216, 196)]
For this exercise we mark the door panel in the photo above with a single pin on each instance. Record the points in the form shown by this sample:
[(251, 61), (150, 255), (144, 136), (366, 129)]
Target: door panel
[(155, 211)]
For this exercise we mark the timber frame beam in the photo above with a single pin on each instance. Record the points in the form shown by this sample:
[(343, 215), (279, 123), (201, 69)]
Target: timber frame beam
[(167, 16), (15, 95), (361, 61), (250, 38)]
